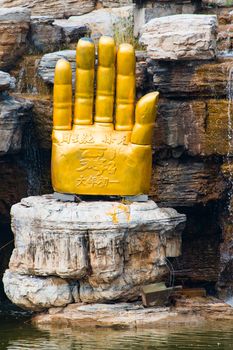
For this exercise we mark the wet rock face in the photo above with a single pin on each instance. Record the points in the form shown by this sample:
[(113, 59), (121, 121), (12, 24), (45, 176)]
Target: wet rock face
[(11, 189), (190, 79), (199, 262), (110, 249), (200, 127), (14, 113), (196, 182), (14, 27), (180, 37), (55, 8)]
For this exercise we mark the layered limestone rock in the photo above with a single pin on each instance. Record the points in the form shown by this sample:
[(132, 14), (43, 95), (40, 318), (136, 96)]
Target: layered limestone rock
[(191, 79), (44, 36), (188, 311), (198, 127), (7, 82), (196, 182), (55, 8), (114, 3), (219, 3), (14, 27), (47, 36), (145, 11), (113, 21), (108, 249), (14, 113), (48, 62), (180, 37)]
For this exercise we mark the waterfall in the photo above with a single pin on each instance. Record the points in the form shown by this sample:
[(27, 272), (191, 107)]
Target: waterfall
[(229, 154), (32, 160)]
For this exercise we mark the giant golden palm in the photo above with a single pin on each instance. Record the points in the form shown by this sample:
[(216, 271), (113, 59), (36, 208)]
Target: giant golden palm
[(106, 150)]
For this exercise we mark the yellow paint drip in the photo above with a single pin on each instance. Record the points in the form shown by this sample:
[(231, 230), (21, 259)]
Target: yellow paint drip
[(118, 210)]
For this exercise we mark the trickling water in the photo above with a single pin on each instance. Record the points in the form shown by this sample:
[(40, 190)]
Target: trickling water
[(229, 156), (32, 160)]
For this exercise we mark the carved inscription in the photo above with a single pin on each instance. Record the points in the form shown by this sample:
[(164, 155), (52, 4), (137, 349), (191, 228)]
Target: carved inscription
[(81, 138), (89, 139), (110, 139), (96, 167)]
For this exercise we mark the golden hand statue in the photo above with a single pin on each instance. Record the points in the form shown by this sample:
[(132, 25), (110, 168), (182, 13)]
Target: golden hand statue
[(101, 155)]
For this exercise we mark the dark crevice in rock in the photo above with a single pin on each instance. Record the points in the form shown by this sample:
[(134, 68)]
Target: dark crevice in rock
[(199, 263)]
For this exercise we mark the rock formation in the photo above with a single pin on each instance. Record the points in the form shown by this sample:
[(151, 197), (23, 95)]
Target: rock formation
[(14, 27), (56, 8), (100, 251), (181, 37)]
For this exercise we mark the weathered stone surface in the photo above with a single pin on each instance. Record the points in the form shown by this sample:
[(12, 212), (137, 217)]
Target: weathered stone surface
[(45, 37), (42, 116), (14, 26), (187, 79), (48, 62), (6, 81), (14, 14), (56, 8), (180, 37), (114, 3), (71, 30), (14, 113), (36, 293), (219, 3), (27, 81), (224, 36), (112, 21), (111, 248), (147, 10), (175, 183), (196, 127), (141, 73), (188, 311)]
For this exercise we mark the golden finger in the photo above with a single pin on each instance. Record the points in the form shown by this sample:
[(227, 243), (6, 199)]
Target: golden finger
[(62, 96), (145, 119), (84, 86), (125, 90), (105, 80)]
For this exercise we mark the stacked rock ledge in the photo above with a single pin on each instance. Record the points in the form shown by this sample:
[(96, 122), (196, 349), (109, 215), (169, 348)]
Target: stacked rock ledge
[(180, 37), (88, 252)]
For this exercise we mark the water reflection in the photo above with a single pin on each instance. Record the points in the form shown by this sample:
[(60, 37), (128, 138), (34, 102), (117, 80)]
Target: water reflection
[(16, 333)]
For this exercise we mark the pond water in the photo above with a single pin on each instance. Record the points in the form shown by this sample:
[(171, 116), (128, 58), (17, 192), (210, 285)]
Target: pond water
[(16, 333)]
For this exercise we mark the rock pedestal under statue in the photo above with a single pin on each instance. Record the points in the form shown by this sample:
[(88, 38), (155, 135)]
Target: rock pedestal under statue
[(88, 252)]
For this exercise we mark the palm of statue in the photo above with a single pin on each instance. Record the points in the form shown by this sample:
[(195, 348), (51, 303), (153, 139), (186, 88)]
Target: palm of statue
[(93, 156)]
